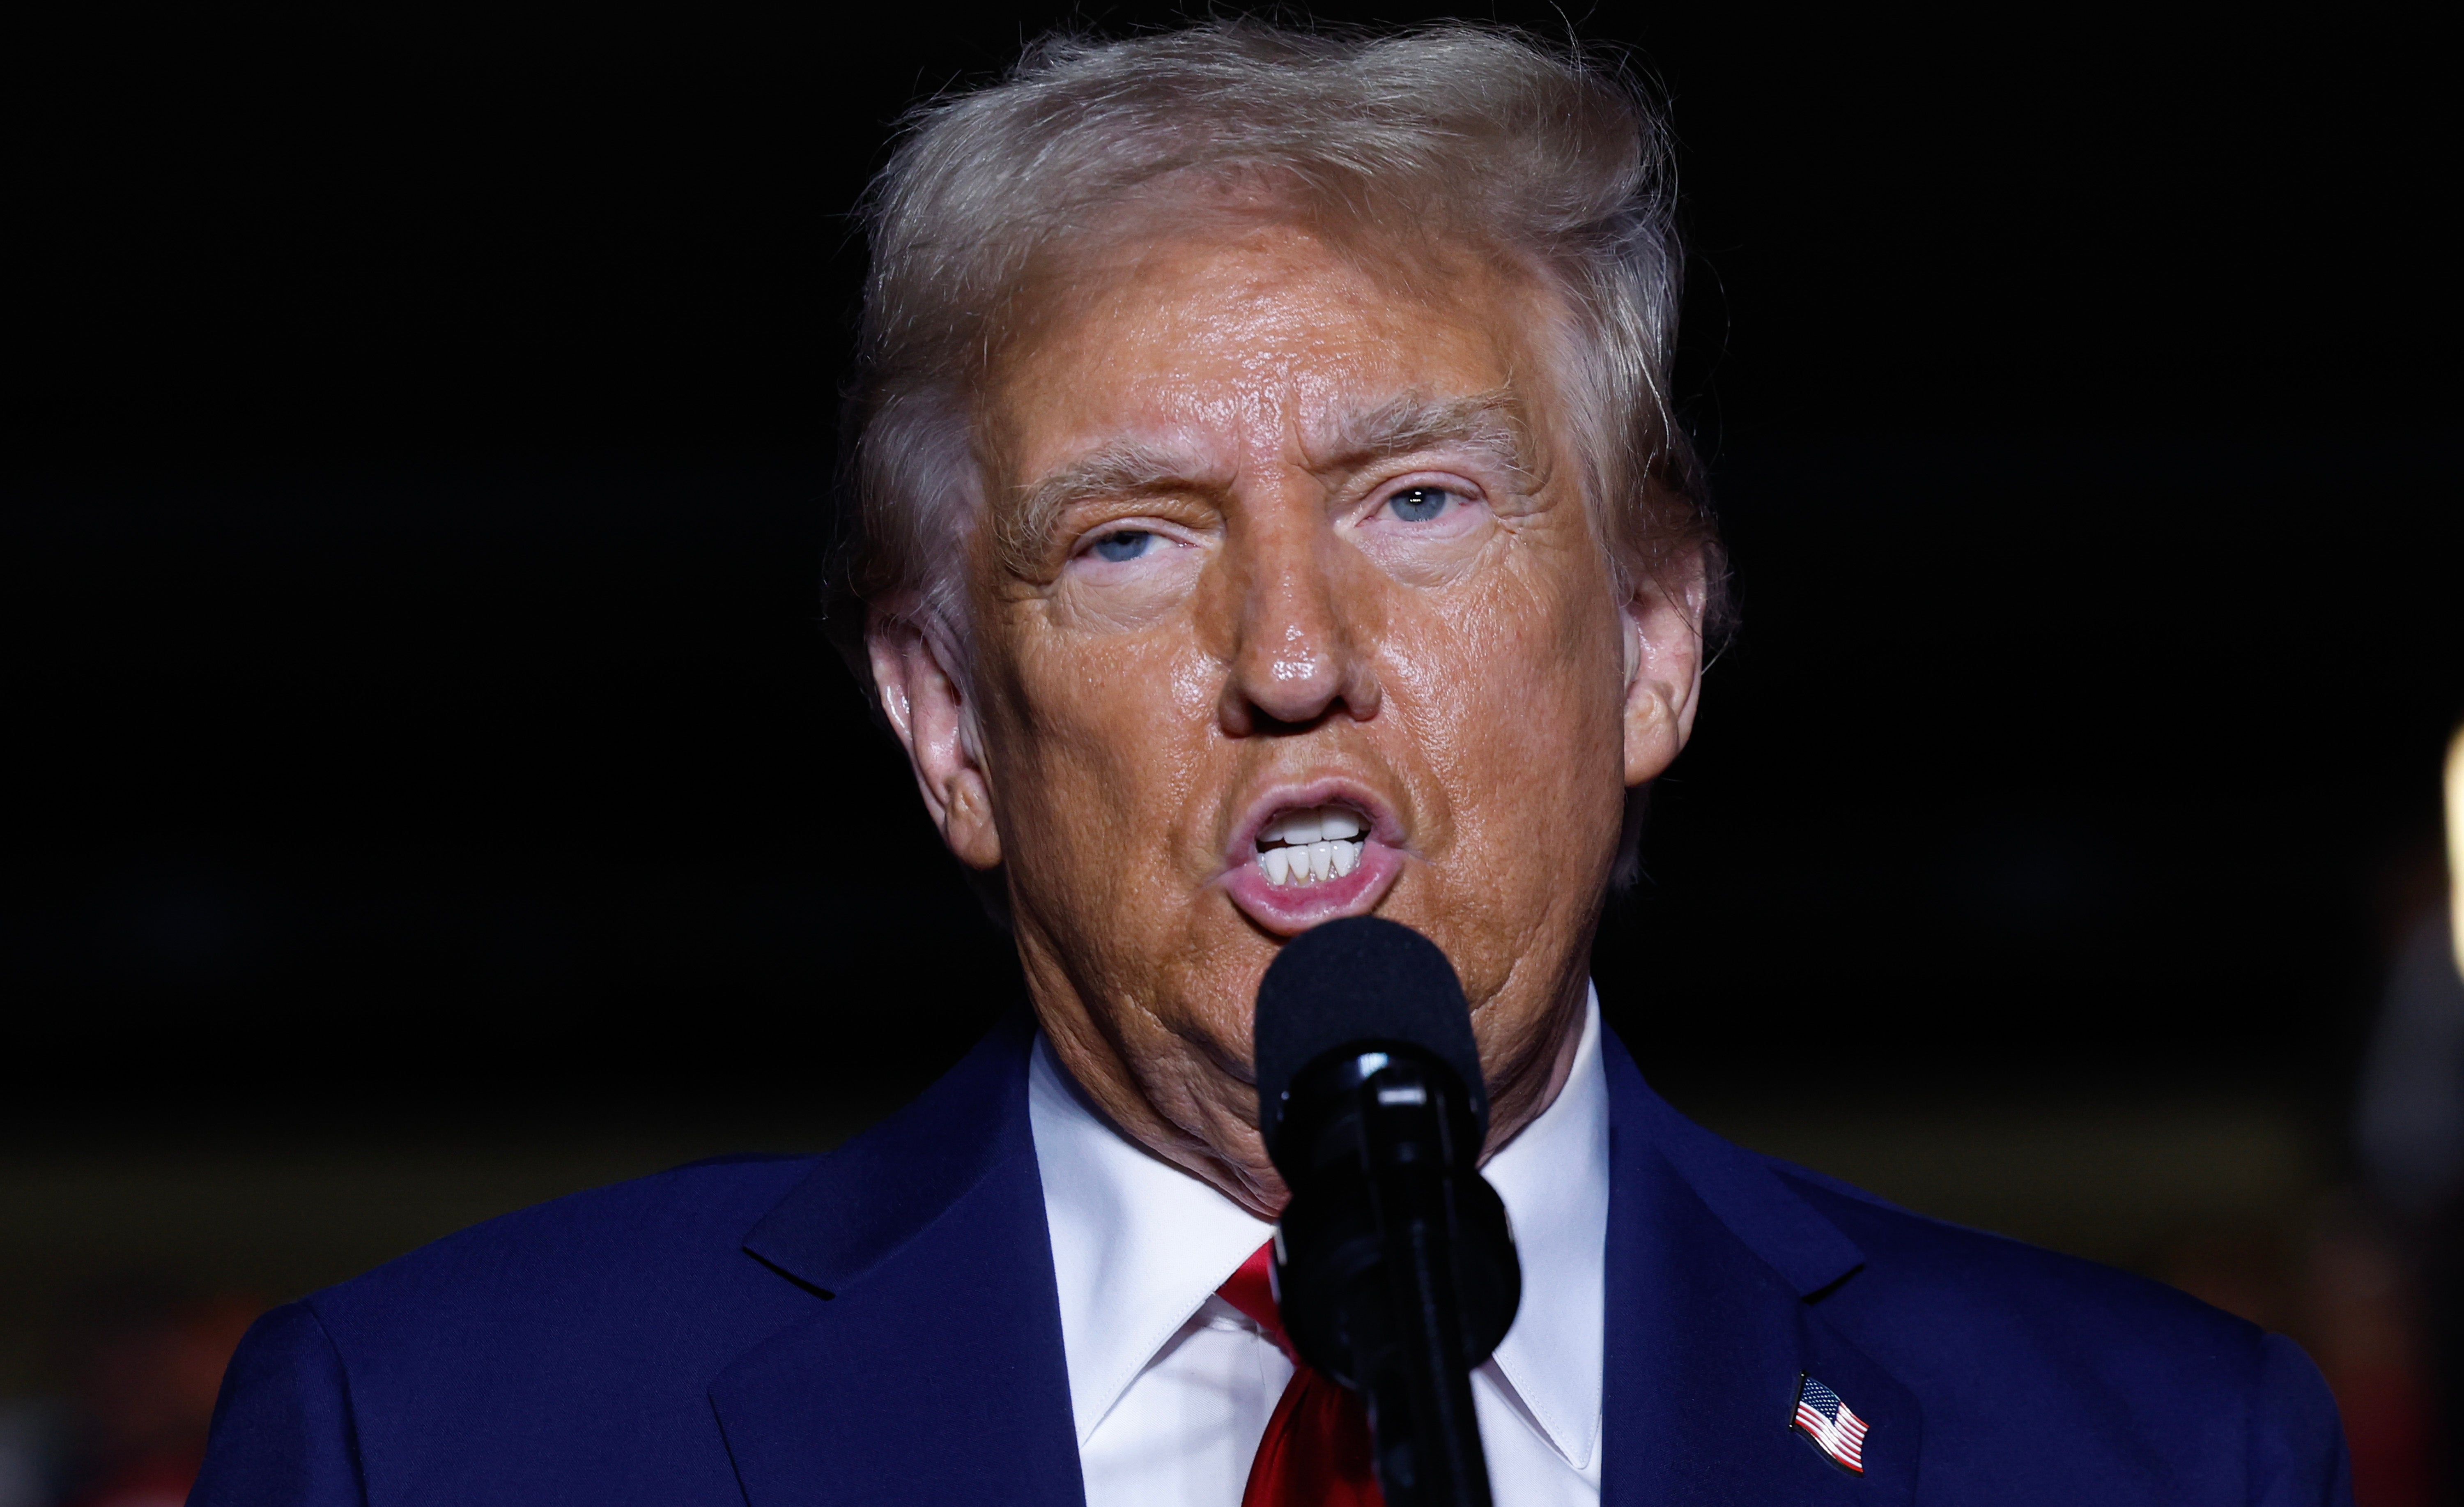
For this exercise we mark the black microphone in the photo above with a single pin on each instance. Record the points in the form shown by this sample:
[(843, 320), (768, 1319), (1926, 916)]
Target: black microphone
[(1394, 1268)]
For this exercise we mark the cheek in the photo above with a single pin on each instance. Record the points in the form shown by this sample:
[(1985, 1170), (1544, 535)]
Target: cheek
[(1515, 689), (1516, 692), (1105, 736), (1526, 661)]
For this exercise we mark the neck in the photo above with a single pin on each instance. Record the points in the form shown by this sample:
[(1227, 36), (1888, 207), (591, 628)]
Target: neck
[(1191, 1102)]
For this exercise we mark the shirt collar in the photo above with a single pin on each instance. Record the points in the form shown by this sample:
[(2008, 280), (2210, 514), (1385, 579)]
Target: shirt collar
[(1555, 1180), (1139, 1245)]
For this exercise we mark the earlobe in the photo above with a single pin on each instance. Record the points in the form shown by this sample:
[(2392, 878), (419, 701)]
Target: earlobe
[(926, 706), (1663, 646)]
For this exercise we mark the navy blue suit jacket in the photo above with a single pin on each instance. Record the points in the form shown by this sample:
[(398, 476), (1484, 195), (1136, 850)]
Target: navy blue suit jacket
[(880, 1325)]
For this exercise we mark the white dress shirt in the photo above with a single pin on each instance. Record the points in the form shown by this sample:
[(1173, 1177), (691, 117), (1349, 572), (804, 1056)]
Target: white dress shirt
[(1171, 1386)]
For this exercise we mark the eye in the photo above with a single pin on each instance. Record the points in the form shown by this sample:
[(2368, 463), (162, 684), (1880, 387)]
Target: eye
[(1128, 544), (1419, 505)]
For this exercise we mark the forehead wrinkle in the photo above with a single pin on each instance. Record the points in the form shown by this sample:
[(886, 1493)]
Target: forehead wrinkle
[(1116, 468)]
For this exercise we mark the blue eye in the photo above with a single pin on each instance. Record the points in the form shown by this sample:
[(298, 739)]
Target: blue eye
[(1127, 544), (1419, 505)]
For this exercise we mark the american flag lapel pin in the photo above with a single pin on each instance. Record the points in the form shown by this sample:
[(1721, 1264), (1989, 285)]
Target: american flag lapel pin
[(1830, 1424)]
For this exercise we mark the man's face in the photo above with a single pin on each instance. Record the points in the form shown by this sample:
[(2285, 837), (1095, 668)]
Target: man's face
[(1273, 547)]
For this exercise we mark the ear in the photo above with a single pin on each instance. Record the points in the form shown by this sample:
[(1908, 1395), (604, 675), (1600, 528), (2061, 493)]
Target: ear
[(926, 705), (1663, 666)]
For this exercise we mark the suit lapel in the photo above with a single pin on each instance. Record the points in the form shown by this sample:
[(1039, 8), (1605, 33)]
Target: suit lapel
[(931, 1367), (1715, 1270)]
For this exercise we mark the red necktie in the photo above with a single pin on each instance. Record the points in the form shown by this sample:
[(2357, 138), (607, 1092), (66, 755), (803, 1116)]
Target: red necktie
[(1316, 1449)]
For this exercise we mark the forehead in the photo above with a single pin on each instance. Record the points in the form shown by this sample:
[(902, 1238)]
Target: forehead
[(1248, 342)]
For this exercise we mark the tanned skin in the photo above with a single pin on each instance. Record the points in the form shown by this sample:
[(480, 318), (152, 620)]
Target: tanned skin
[(1208, 581)]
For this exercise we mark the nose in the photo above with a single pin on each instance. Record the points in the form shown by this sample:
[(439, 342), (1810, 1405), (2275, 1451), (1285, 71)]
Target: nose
[(1299, 651)]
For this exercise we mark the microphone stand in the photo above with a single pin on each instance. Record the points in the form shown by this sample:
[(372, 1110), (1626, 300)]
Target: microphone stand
[(1372, 1264), (1420, 1401)]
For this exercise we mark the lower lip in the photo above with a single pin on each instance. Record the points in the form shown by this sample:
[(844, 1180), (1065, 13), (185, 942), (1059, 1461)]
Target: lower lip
[(1290, 909)]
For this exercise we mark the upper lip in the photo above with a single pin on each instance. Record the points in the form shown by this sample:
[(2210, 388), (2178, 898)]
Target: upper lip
[(1332, 790)]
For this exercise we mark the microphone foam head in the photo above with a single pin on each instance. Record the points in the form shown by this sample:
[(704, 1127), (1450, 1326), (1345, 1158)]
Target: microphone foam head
[(1353, 981)]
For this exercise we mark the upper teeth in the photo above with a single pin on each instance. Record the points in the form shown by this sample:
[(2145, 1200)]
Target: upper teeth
[(1315, 845)]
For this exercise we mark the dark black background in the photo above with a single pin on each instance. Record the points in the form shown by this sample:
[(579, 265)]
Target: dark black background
[(416, 451)]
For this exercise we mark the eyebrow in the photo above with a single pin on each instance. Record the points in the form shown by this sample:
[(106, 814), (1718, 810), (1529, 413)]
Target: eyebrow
[(1483, 421), (1118, 468)]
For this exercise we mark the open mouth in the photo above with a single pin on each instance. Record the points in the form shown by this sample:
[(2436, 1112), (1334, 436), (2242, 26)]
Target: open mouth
[(1321, 849), (1311, 847)]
